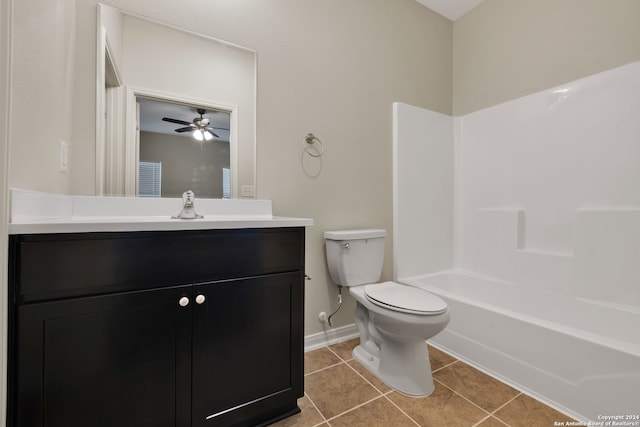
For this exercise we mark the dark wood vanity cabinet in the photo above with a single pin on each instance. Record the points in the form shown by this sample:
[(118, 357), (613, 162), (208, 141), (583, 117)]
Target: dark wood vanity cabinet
[(170, 328)]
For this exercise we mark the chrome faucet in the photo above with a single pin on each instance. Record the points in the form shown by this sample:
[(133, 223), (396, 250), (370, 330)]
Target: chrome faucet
[(188, 211)]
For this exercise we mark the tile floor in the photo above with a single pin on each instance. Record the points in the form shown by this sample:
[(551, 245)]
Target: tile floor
[(340, 392)]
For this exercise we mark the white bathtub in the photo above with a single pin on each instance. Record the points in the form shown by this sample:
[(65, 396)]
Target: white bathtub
[(579, 356)]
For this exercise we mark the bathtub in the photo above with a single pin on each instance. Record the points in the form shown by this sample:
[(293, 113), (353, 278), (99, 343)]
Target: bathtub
[(581, 357)]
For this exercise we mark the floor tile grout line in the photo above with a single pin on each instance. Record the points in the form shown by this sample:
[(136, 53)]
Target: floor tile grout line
[(507, 402), (364, 378), (324, 419), (445, 366), (474, 403), (346, 362), (323, 369), (481, 421), (465, 398), (339, 357), (327, 420), (354, 370), (493, 414), (353, 408), (386, 396)]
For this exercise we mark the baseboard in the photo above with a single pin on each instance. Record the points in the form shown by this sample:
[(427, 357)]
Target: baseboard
[(330, 336)]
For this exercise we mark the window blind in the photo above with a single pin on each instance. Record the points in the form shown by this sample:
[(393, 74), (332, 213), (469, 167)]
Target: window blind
[(226, 183), (149, 179)]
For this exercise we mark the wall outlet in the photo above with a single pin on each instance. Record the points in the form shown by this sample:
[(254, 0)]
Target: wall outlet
[(64, 156), (247, 191)]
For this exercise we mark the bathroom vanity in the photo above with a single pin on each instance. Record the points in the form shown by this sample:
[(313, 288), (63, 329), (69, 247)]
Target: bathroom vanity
[(169, 327)]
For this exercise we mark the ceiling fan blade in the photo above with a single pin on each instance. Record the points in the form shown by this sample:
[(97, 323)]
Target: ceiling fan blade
[(212, 132), (180, 122), (187, 129)]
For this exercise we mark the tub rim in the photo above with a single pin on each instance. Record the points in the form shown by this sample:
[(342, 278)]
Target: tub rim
[(594, 338)]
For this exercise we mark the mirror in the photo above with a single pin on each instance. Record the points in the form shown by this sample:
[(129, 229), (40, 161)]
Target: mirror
[(143, 64)]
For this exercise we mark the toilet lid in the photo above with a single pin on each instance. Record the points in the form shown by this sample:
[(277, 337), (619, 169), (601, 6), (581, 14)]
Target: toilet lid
[(406, 299)]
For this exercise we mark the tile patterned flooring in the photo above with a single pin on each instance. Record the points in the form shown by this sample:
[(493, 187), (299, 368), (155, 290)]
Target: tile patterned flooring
[(339, 392)]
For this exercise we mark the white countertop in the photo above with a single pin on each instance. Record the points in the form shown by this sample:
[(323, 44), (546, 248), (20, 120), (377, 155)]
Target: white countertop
[(36, 213)]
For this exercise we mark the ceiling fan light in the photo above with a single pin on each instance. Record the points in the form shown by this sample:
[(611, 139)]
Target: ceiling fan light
[(207, 135), (198, 134)]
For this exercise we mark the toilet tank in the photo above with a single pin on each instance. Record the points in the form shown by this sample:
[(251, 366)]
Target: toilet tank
[(355, 257)]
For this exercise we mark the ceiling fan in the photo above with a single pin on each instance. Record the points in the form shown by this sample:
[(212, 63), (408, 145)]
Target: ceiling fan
[(199, 126)]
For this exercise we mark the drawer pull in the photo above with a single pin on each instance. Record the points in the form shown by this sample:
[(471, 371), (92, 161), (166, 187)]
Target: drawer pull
[(184, 301), (200, 299)]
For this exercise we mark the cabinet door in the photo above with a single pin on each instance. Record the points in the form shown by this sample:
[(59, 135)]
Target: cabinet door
[(116, 360), (247, 350)]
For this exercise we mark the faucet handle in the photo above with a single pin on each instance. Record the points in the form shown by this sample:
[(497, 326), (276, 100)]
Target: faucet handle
[(188, 211), (188, 198)]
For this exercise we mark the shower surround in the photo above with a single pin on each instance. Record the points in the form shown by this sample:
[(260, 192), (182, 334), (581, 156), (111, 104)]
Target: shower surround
[(544, 193)]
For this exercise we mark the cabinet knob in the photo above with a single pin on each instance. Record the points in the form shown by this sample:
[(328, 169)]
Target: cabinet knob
[(184, 301), (200, 299)]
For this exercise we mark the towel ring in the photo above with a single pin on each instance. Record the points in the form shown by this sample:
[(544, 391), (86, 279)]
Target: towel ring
[(311, 139)]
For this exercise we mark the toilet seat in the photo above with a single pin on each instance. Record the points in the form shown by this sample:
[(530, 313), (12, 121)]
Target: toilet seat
[(405, 299)]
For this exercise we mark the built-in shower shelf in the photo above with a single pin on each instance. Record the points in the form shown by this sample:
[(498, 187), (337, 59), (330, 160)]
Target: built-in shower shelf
[(602, 258)]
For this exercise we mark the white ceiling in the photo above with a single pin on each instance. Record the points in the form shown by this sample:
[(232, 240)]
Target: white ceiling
[(451, 9), (152, 112)]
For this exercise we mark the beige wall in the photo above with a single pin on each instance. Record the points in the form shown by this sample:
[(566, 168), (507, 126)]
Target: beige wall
[(505, 49), (334, 69), (43, 59)]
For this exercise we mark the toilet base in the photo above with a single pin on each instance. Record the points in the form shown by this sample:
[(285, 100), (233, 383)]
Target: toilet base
[(402, 366)]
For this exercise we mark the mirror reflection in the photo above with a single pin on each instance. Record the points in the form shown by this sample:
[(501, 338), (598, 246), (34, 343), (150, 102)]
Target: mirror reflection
[(183, 147), (144, 66)]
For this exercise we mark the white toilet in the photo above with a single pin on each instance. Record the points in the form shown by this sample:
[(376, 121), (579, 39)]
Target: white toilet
[(394, 320)]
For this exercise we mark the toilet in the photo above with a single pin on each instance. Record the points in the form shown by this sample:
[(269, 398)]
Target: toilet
[(393, 320)]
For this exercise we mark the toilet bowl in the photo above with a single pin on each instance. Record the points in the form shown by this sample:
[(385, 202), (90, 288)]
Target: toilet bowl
[(393, 320)]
